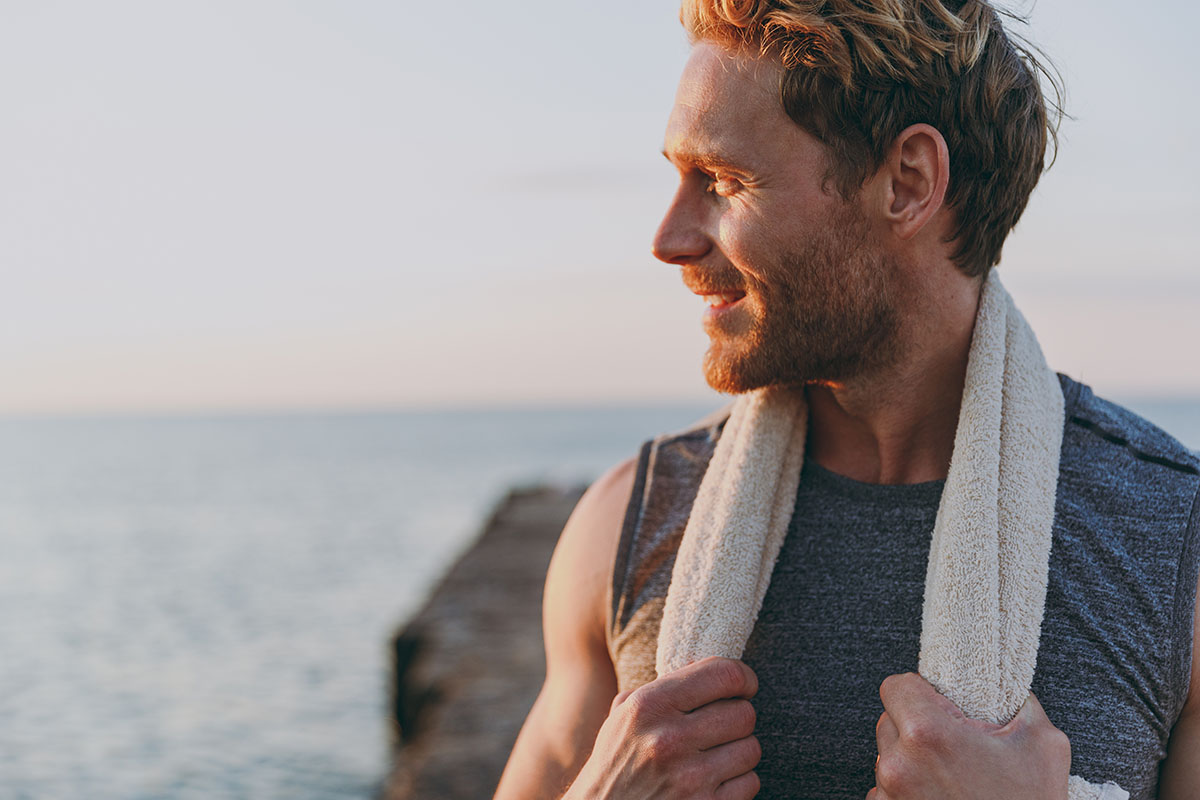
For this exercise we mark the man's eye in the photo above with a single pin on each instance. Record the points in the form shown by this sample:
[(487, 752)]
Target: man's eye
[(722, 185)]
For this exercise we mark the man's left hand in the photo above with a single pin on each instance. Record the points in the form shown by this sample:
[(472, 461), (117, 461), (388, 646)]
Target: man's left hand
[(928, 748)]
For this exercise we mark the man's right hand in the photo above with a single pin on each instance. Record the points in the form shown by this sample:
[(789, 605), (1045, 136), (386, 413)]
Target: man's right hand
[(687, 734)]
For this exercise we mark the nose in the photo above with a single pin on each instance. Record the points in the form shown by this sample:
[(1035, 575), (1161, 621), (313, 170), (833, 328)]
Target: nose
[(681, 237)]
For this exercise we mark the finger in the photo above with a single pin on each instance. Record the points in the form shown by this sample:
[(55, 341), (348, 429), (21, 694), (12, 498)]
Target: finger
[(729, 760), (886, 734), (910, 690), (620, 698), (743, 787), (912, 703), (702, 682), (721, 721)]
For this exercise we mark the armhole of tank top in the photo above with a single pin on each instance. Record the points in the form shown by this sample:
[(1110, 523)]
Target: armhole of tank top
[(629, 527), (1183, 624), (1071, 389)]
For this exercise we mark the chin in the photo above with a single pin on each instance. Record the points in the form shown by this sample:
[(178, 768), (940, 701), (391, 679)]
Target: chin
[(732, 374), (737, 370)]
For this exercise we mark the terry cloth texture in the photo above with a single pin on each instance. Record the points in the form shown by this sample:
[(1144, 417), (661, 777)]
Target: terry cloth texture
[(844, 605), (1143, 455), (985, 587)]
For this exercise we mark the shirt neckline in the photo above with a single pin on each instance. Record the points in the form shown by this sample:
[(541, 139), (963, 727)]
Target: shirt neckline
[(814, 475)]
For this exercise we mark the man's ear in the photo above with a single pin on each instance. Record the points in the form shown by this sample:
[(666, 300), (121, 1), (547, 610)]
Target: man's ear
[(916, 173)]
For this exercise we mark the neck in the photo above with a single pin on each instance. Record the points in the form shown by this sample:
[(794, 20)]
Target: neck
[(897, 425)]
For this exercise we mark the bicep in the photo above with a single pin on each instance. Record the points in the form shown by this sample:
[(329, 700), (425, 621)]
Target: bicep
[(1181, 770), (559, 732)]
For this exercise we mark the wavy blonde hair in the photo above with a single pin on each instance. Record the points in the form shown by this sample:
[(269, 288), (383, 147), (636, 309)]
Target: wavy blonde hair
[(858, 72)]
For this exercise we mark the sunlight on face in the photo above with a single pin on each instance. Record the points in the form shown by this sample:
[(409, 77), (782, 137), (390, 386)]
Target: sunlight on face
[(798, 289)]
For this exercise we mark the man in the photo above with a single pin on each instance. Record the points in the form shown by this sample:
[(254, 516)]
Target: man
[(848, 173)]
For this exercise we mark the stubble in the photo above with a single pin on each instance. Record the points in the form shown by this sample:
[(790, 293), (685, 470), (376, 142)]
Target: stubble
[(827, 315)]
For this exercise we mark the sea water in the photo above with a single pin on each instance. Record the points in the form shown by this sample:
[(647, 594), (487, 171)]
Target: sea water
[(200, 607)]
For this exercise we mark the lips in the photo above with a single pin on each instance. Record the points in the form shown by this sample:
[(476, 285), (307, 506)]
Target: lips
[(720, 289), (722, 299)]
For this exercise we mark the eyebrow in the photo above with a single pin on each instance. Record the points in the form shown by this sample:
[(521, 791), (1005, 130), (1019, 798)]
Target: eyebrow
[(703, 159)]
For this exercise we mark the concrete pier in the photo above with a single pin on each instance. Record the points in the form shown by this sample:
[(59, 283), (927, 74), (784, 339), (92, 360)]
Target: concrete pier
[(469, 665)]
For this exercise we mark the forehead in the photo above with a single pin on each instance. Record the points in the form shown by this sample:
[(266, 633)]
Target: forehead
[(728, 104)]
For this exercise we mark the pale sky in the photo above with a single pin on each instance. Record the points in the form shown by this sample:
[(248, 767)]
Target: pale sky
[(268, 204)]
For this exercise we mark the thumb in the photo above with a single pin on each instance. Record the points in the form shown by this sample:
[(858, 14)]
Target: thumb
[(1031, 714)]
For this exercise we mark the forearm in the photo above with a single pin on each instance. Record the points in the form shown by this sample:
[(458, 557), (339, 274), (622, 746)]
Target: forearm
[(532, 782), (545, 759)]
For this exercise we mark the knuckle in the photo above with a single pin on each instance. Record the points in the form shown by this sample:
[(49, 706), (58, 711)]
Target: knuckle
[(892, 773), (640, 705), (915, 732), (883, 719), (922, 734), (662, 745), (619, 701), (1057, 744)]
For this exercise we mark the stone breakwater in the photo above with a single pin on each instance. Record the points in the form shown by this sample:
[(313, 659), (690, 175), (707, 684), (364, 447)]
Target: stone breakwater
[(469, 665)]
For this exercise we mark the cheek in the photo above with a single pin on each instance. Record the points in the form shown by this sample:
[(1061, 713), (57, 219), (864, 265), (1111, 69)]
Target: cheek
[(747, 243)]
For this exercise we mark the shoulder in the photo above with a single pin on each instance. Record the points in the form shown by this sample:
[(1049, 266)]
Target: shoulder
[(595, 524), (609, 507), (1129, 515), (589, 538), (574, 608), (669, 470), (1122, 465), (1126, 484), (1119, 437)]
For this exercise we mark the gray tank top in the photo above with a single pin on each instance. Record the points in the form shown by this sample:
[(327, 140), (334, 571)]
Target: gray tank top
[(843, 610)]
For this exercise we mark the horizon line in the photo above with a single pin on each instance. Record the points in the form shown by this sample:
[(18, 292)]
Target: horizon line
[(357, 409), (713, 400)]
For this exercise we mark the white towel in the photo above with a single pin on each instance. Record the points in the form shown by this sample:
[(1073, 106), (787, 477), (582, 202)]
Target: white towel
[(985, 588)]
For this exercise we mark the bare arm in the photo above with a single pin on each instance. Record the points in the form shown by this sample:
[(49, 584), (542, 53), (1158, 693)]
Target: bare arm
[(1180, 775), (559, 732)]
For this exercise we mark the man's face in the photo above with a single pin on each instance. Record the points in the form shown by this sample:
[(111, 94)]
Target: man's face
[(798, 288)]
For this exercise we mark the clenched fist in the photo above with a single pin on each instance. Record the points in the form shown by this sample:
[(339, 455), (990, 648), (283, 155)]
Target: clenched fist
[(688, 734), (928, 748)]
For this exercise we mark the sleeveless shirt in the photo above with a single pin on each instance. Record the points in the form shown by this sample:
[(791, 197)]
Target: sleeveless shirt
[(843, 610)]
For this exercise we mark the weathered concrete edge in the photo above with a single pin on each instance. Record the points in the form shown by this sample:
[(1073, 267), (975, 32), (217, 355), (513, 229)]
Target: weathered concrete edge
[(468, 665)]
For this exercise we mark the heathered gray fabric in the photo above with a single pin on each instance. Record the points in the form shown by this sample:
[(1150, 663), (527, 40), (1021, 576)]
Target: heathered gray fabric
[(844, 607)]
